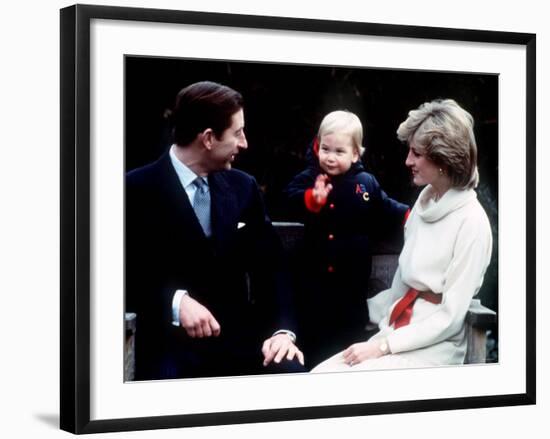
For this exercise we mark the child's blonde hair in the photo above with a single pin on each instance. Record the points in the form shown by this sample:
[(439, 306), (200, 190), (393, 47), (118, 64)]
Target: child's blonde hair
[(343, 121)]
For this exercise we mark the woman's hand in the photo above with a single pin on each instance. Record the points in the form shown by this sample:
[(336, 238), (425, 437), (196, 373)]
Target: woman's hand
[(321, 189), (360, 352)]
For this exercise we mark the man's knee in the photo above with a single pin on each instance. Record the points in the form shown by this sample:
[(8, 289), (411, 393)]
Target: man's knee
[(285, 366)]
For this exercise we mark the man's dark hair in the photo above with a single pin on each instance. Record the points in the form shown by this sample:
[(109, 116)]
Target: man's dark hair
[(203, 105)]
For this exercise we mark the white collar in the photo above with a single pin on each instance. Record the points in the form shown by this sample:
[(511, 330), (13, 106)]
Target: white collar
[(185, 175), (431, 211)]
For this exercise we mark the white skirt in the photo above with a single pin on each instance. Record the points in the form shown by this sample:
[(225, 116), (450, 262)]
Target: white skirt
[(448, 352), (336, 363)]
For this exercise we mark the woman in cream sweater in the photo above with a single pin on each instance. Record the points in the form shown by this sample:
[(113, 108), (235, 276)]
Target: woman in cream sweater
[(446, 252)]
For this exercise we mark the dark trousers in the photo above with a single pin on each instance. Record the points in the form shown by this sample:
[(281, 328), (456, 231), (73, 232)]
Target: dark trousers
[(207, 357), (333, 315)]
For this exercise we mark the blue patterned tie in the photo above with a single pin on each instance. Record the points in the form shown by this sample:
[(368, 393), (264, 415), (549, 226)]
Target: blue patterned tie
[(201, 204)]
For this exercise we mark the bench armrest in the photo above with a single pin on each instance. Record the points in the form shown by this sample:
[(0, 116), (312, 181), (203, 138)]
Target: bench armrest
[(480, 316)]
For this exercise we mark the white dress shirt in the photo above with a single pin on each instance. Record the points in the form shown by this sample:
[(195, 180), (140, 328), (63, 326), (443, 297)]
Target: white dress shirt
[(186, 178)]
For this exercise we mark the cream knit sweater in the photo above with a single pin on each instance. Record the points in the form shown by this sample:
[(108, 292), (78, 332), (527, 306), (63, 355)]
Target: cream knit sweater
[(447, 250)]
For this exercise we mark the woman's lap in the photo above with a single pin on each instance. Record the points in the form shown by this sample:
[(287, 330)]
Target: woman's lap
[(336, 363)]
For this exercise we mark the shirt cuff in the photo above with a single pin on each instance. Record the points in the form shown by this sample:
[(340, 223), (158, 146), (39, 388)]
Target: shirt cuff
[(287, 332), (178, 295), (311, 203)]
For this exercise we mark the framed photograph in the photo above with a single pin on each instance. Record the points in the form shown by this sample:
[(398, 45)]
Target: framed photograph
[(121, 70)]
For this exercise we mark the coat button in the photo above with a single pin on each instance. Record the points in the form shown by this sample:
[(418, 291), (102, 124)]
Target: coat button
[(331, 237), (330, 269)]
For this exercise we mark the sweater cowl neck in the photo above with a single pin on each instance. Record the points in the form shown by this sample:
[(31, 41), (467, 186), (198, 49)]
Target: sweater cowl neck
[(430, 210)]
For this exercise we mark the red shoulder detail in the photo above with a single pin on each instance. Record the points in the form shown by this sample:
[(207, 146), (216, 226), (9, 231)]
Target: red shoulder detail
[(407, 213)]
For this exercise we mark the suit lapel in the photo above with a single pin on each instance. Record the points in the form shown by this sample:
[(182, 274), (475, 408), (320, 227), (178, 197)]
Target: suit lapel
[(177, 199), (224, 209), (224, 204)]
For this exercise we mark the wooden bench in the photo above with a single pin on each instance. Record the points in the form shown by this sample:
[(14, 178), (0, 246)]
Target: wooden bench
[(129, 346), (384, 263)]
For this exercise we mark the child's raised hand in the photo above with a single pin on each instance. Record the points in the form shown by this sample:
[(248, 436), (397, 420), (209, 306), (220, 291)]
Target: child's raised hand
[(322, 188)]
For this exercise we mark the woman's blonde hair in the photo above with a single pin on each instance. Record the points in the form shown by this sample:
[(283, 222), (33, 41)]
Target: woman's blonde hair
[(343, 121), (445, 132)]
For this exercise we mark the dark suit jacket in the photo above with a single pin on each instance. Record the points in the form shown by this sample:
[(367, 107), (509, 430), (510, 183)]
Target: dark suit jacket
[(237, 273)]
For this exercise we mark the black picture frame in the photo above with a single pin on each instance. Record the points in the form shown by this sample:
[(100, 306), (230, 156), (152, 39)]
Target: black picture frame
[(76, 216)]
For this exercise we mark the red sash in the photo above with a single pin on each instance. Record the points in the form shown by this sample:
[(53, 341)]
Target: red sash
[(402, 312)]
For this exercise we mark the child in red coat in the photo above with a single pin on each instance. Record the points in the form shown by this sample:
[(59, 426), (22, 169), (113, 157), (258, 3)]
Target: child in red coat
[(342, 206)]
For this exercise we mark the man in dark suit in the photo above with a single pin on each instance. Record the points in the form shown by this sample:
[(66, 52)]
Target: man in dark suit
[(204, 269)]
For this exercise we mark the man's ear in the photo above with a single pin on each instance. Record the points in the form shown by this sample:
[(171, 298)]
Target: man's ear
[(207, 138)]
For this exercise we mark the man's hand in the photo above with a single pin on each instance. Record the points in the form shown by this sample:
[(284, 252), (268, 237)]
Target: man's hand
[(321, 189), (279, 346), (359, 352), (196, 319)]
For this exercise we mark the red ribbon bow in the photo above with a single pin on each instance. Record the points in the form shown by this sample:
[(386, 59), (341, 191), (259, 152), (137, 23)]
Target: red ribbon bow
[(402, 312)]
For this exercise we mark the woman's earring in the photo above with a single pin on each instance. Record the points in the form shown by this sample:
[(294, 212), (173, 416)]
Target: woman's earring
[(440, 171)]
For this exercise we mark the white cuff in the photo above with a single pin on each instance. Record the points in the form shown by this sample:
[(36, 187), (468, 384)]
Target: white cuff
[(287, 332), (178, 295)]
